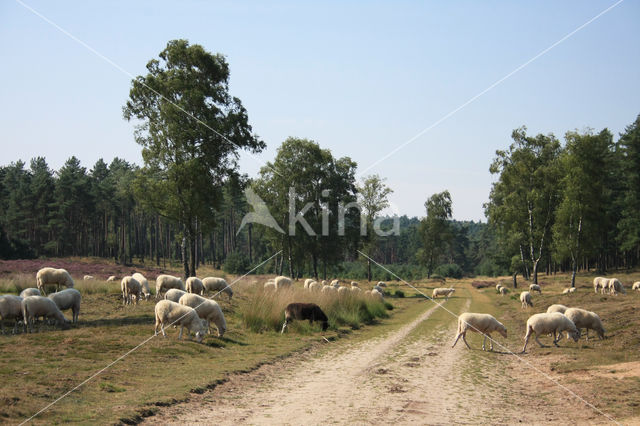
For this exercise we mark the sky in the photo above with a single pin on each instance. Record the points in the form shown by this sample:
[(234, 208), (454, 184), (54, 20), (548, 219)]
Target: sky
[(359, 78)]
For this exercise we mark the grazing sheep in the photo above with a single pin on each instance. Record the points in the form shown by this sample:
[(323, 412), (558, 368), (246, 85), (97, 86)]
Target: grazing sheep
[(585, 319), (546, 323), (342, 290), (556, 308), (308, 281), (88, 278), (381, 284), (535, 287), (324, 282), (569, 290), (525, 298), (194, 285), (304, 311), (498, 287), (355, 289), (166, 282), (217, 285), (144, 284), (172, 313), (174, 294), (207, 309), (335, 283), (69, 298), (378, 288), (30, 292), (283, 282), (10, 308), (39, 306), (354, 284), (270, 285), (636, 286), (479, 323), (600, 283), (314, 286), (49, 276), (615, 287), (327, 289), (130, 288), (113, 278), (376, 295), (503, 291), (446, 292)]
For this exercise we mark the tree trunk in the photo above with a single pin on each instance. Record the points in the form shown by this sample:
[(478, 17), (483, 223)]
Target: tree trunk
[(185, 260), (535, 271), (315, 266), (290, 258), (515, 280), (368, 268)]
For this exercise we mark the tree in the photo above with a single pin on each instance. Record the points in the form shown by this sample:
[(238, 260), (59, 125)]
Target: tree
[(191, 130), (373, 196), (41, 188), (435, 229), (522, 202), (629, 224), (581, 208)]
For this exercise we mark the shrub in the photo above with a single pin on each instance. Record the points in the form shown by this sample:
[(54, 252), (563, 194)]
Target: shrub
[(450, 270), (236, 263), (399, 294)]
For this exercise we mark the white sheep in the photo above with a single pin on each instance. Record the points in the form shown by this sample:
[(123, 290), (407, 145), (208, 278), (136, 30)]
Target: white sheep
[(535, 287), (307, 282), (314, 286), (166, 282), (217, 285), (342, 290), (355, 289), (130, 288), (600, 283), (144, 284), (270, 285), (525, 299), (283, 282), (569, 290), (503, 291), (10, 308), (30, 292), (324, 282), (546, 323), (194, 285), (48, 276), (335, 283), (39, 306), (615, 287), (376, 295), (498, 286), (112, 278), (378, 288), (381, 284), (479, 323), (354, 284), (172, 313), (174, 294), (88, 278), (327, 289), (636, 286), (557, 308), (446, 292), (207, 309), (69, 298), (585, 319)]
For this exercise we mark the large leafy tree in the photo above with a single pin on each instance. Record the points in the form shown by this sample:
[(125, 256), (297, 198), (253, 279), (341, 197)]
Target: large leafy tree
[(373, 196), (191, 130), (629, 224), (583, 195), (436, 229), (522, 202)]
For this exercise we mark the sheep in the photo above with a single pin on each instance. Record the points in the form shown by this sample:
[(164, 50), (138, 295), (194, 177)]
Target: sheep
[(503, 291), (307, 282), (354, 284), (69, 298), (381, 284), (535, 287), (378, 288), (206, 309), (636, 286), (376, 295), (446, 292), (46, 276), (557, 308), (342, 290), (166, 282), (172, 313), (498, 286), (130, 288), (270, 285), (88, 278), (569, 290), (39, 306), (314, 286), (195, 286), (479, 323), (112, 278), (304, 311), (282, 282), (174, 294), (615, 287), (335, 283), (144, 284), (585, 319), (525, 299), (600, 283), (355, 289), (327, 289), (324, 282), (10, 308), (217, 285), (30, 292), (546, 323)]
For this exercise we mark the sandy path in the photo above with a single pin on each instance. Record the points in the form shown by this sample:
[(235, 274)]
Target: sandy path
[(394, 378)]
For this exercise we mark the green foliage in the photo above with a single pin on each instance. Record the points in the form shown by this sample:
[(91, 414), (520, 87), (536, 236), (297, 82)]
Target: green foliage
[(399, 294), (435, 229), (448, 270), (236, 263)]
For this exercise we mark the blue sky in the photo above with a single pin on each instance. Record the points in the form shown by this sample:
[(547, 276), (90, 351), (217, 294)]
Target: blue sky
[(359, 78)]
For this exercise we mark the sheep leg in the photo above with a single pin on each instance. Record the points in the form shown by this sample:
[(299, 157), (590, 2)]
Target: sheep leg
[(464, 339), (587, 331), (457, 338), (526, 341), (484, 341), (180, 335), (284, 326), (538, 341)]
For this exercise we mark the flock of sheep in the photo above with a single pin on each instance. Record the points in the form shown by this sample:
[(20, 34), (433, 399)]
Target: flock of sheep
[(557, 320), (281, 282)]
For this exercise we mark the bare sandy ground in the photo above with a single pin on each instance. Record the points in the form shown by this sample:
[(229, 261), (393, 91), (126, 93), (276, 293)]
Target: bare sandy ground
[(397, 378)]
